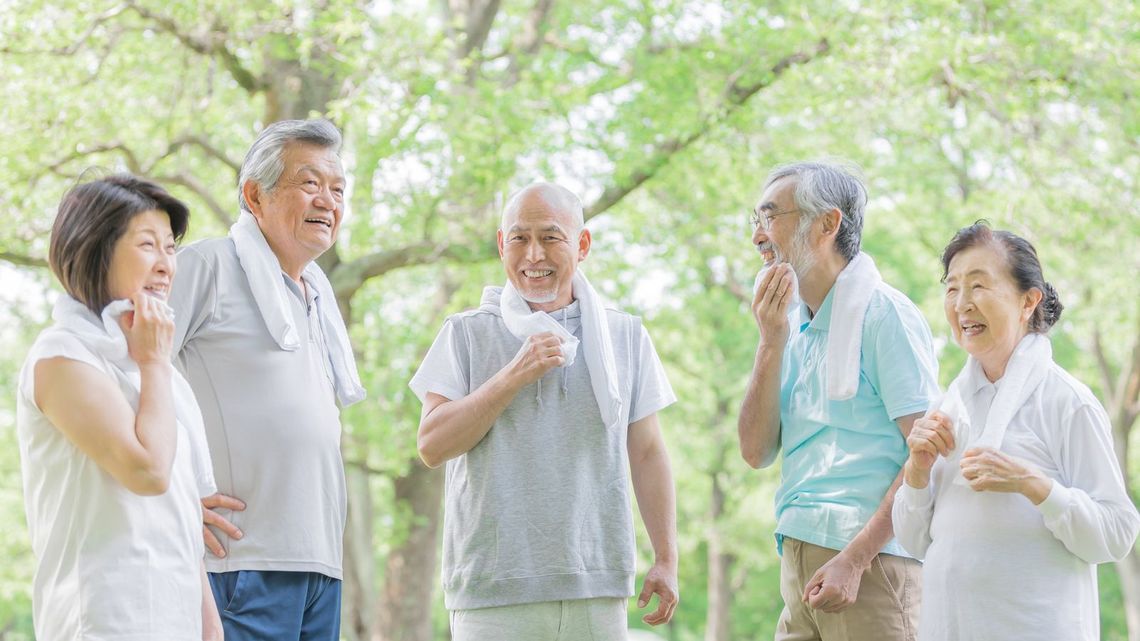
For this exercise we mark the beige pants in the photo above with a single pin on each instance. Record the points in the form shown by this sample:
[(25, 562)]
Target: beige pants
[(601, 619), (886, 608)]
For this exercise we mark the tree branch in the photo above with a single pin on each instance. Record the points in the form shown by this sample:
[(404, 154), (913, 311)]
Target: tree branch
[(349, 276), (221, 214), (478, 26), (213, 45), (736, 96), (530, 39), (1107, 377), (74, 47), (1130, 383), (22, 260), (188, 140), (129, 157)]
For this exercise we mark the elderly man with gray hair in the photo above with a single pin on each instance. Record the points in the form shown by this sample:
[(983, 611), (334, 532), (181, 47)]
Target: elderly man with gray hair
[(844, 366), (260, 339), (543, 404)]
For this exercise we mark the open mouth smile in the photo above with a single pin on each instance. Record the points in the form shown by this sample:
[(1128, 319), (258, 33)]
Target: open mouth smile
[(320, 221), (970, 328), (158, 290)]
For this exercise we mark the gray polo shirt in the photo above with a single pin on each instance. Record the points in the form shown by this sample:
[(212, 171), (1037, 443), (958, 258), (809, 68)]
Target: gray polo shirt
[(271, 416), (539, 510)]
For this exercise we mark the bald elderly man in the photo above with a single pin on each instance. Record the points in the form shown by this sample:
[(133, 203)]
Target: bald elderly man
[(543, 404)]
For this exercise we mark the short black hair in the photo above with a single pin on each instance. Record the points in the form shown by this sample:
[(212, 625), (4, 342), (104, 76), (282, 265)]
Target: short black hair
[(92, 217)]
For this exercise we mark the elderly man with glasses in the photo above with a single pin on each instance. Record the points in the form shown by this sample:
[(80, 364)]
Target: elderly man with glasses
[(844, 366)]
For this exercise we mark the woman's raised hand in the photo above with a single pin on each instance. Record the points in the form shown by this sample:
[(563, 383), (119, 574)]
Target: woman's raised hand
[(149, 330), (930, 437)]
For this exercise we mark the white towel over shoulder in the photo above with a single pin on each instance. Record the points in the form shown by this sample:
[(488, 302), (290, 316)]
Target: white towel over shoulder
[(108, 341), (596, 342), (1024, 373), (853, 290), (263, 270)]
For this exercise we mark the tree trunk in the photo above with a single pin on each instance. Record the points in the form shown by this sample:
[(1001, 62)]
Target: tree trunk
[(357, 621), (1129, 571), (1121, 399), (717, 626), (296, 92), (404, 608)]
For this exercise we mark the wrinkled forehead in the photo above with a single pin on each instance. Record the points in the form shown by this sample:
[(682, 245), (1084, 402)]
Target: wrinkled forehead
[(982, 259), (302, 156), (779, 195)]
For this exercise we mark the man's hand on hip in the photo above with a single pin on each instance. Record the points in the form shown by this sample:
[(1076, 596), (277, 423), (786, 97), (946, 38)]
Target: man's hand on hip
[(210, 517)]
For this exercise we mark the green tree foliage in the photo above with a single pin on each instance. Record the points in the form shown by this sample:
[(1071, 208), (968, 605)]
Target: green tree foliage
[(665, 115)]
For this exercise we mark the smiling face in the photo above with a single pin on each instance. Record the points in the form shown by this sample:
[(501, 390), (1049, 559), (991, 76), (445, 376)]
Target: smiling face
[(301, 215), (785, 240), (986, 312), (540, 245), (143, 257)]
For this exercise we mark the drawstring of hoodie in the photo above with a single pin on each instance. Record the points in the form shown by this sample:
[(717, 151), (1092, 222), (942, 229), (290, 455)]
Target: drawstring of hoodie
[(565, 374)]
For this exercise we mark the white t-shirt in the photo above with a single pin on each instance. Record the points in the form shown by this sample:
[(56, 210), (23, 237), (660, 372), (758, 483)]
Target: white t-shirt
[(110, 564), (271, 415), (995, 565)]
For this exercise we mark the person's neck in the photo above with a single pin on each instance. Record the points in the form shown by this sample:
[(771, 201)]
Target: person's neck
[(294, 271), (994, 366), (817, 283), (550, 307), (291, 266)]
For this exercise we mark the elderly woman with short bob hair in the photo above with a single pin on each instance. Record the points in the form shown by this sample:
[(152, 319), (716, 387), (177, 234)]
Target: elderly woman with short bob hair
[(1011, 493), (111, 440)]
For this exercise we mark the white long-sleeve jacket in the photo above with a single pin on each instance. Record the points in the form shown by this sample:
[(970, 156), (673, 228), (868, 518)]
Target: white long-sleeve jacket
[(995, 565)]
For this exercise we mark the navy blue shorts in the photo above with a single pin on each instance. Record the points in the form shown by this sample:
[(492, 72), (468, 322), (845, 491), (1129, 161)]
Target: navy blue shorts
[(269, 606)]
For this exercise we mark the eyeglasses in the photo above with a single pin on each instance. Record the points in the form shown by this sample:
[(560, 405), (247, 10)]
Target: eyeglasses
[(764, 220)]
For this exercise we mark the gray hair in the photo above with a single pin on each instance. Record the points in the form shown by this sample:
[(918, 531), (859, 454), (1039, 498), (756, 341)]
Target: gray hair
[(264, 161), (822, 186), (555, 196)]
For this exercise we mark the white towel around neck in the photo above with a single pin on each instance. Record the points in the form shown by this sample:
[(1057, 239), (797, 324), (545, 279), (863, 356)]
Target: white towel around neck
[(105, 337), (852, 294), (597, 346), (263, 270), (1024, 373)]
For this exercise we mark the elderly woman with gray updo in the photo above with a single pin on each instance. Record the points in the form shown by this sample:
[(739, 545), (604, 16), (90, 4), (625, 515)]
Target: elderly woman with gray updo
[(1011, 493)]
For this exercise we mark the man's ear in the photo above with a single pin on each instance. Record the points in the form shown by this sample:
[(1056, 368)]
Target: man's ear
[(252, 193), (499, 242), (584, 241), (831, 221)]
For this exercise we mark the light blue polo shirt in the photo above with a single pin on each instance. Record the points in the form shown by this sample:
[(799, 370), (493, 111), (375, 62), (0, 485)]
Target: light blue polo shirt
[(840, 457)]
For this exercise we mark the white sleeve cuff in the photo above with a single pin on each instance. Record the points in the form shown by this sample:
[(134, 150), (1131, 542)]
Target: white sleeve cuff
[(914, 497), (1056, 503)]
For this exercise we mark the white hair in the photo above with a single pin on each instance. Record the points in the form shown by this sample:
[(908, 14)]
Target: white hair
[(265, 160)]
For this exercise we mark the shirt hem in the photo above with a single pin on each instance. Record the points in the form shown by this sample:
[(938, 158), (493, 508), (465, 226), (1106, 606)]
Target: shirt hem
[(492, 593), (892, 547), (217, 566)]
